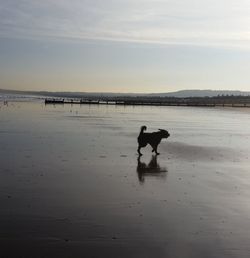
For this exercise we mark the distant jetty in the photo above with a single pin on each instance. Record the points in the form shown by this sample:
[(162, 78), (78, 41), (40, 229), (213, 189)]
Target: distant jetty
[(219, 101)]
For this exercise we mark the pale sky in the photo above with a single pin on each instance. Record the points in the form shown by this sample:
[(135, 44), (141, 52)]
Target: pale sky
[(124, 45)]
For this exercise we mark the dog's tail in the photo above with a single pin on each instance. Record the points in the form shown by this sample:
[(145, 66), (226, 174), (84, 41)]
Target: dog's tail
[(143, 128)]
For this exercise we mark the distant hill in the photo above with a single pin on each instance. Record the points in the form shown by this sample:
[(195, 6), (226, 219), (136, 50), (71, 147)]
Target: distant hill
[(201, 93), (177, 94)]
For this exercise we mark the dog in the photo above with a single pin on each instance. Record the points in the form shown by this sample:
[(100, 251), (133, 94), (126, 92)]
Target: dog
[(153, 139)]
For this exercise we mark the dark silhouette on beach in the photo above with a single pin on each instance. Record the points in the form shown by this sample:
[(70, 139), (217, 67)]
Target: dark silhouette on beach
[(153, 139), (152, 169)]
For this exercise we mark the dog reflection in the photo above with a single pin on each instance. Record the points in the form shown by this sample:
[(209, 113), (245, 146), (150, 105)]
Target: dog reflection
[(152, 169)]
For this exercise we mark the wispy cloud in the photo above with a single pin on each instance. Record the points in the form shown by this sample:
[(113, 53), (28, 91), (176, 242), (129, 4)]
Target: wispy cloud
[(197, 22)]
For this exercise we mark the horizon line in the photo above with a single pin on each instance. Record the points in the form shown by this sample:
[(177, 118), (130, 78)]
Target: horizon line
[(109, 92)]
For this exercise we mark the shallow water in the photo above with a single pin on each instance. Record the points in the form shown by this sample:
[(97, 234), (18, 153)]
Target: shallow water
[(72, 184)]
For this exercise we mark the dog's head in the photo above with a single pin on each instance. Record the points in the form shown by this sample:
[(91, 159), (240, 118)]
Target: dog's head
[(164, 133)]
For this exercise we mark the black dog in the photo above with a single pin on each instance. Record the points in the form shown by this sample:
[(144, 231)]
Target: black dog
[(151, 138)]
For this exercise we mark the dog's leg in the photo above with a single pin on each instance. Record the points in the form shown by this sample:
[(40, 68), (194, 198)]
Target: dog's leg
[(155, 149), (138, 150)]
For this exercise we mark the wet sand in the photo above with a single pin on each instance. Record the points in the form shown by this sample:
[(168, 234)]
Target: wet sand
[(72, 184)]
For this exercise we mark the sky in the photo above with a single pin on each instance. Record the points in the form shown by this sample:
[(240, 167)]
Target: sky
[(124, 45)]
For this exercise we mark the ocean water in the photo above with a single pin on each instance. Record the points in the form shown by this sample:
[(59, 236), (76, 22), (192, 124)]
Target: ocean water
[(72, 184)]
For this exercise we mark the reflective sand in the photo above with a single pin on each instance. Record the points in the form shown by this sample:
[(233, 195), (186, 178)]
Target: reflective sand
[(72, 184)]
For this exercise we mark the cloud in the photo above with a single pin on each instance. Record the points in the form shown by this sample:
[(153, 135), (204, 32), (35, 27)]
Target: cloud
[(194, 22)]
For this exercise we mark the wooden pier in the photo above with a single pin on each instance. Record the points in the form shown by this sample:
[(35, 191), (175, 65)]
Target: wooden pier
[(188, 103)]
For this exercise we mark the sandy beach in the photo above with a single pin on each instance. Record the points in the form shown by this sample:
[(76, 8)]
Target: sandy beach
[(72, 184)]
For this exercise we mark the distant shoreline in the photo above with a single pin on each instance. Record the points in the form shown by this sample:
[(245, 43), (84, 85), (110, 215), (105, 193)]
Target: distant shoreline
[(132, 100), (176, 94), (242, 102)]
